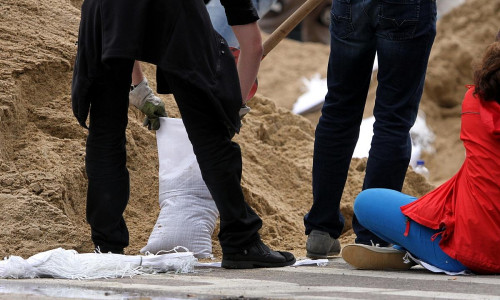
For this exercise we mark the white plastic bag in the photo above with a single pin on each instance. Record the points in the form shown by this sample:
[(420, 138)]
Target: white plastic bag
[(188, 213)]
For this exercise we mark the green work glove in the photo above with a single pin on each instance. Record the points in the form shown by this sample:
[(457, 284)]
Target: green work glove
[(145, 100), (153, 113)]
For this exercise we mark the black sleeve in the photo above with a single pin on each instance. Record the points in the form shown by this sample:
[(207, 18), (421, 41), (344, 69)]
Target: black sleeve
[(240, 12)]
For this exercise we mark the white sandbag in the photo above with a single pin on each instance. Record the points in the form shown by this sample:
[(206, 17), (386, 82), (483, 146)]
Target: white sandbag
[(422, 139), (188, 213), (69, 264)]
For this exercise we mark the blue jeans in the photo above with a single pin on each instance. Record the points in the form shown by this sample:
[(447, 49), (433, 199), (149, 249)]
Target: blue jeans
[(219, 21), (373, 205), (402, 33)]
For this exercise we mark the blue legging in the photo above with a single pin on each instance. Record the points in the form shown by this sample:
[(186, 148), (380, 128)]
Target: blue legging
[(379, 211)]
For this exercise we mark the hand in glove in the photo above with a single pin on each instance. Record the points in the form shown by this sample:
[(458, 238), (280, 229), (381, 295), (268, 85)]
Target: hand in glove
[(244, 110), (145, 100)]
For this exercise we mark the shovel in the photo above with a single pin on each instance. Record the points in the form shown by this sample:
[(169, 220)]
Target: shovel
[(280, 33)]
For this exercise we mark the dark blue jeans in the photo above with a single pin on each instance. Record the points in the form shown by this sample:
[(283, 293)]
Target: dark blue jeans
[(402, 33)]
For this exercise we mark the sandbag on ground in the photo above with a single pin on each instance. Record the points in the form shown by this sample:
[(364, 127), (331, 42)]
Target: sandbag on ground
[(188, 213), (69, 264)]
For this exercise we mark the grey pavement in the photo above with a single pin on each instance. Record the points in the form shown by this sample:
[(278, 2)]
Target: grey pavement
[(337, 280)]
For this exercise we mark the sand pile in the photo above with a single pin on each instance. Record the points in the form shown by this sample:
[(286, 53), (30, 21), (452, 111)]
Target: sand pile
[(42, 174)]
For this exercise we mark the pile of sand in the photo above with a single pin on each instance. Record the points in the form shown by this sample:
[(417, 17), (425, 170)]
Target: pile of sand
[(42, 174)]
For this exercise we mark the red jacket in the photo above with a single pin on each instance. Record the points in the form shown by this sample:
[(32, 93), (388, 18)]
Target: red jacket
[(467, 206)]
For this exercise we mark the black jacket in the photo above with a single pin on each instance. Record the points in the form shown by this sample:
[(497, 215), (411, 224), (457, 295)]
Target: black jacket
[(175, 35)]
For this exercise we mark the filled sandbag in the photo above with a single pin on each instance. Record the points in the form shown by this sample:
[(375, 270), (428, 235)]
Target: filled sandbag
[(187, 211)]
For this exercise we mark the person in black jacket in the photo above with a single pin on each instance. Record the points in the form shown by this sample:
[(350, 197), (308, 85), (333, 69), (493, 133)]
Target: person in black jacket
[(143, 97), (195, 64)]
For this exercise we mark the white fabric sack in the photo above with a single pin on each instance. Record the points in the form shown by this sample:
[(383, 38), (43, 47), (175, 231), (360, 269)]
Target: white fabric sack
[(187, 211), (69, 264)]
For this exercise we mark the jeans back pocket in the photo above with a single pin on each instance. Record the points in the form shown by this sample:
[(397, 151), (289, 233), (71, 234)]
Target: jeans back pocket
[(398, 19), (341, 18)]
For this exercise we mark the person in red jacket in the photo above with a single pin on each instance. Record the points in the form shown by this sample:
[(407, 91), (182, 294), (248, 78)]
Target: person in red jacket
[(455, 227)]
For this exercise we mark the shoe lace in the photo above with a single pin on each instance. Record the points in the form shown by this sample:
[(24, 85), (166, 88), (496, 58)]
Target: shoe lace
[(407, 258)]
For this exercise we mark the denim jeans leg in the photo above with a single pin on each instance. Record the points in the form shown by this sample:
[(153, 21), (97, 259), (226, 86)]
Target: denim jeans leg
[(349, 72), (404, 39), (105, 161)]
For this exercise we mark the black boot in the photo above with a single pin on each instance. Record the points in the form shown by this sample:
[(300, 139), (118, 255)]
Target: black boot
[(257, 255)]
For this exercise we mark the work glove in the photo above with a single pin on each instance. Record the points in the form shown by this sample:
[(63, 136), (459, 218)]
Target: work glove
[(145, 100), (244, 110)]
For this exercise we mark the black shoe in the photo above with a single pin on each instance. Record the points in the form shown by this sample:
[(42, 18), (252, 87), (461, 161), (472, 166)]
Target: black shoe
[(257, 255)]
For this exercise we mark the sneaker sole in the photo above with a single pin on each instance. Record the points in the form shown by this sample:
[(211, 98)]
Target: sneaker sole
[(237, 264), (321, 256), (366, 257)]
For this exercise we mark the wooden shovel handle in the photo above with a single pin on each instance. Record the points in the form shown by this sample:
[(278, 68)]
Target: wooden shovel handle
[(280, 33), (284, 29)]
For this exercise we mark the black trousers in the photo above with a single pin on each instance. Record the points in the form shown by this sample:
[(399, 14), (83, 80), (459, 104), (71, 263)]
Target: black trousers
[(108, 189)]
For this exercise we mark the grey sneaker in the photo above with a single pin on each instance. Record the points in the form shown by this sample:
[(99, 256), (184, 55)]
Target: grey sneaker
[(321, 245), (365, 257)]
